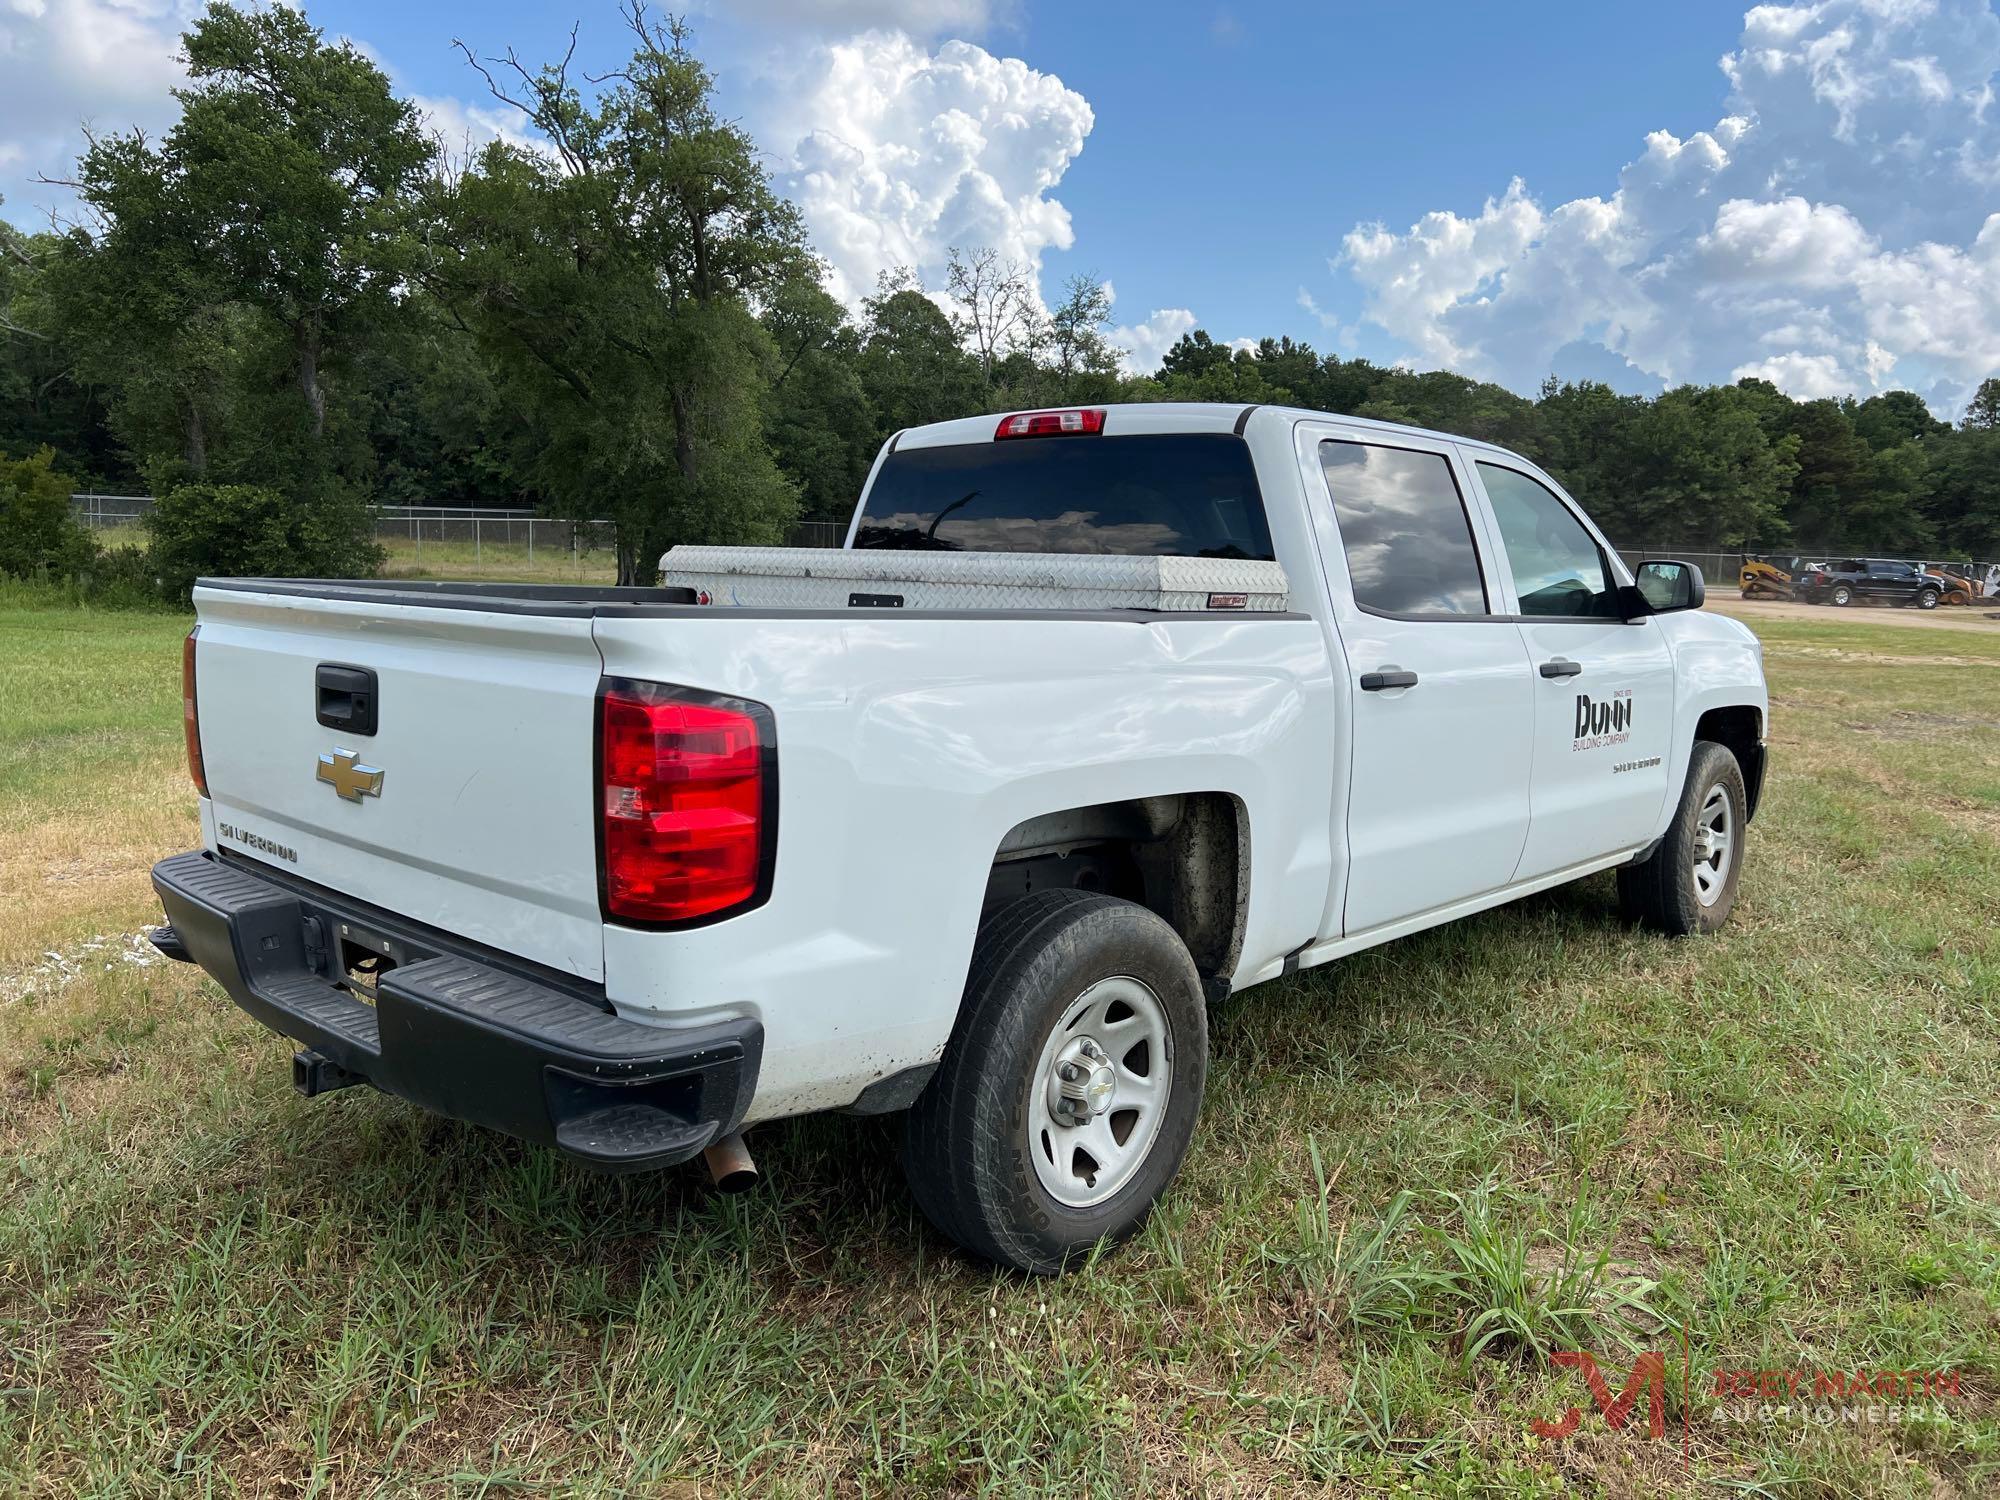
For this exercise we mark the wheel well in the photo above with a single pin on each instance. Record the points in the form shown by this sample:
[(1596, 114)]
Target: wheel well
[(1741, 729), (1184, 856)]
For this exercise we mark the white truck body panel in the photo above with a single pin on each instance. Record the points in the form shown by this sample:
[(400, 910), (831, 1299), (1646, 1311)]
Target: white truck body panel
[(904, 741), (909, 743)]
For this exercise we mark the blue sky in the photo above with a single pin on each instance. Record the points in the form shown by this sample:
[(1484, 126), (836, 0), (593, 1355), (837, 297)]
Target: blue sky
[(1647, 194)]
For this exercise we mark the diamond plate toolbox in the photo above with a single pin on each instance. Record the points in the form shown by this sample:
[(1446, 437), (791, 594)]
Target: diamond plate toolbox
[(836, 578)]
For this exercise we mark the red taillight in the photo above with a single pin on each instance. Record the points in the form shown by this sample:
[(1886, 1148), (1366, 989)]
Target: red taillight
[(687, 788), (1077, 421), (190, 715)]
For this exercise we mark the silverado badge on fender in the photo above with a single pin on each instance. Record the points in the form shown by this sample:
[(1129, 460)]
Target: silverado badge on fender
[(343, 771)]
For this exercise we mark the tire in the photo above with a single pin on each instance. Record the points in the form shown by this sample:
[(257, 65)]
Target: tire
[(1843, 595), (1667, 891), (1927, 599), (970, 1139)]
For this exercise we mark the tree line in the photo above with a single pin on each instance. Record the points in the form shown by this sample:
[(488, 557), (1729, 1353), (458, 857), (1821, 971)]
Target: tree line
[(296, 303)]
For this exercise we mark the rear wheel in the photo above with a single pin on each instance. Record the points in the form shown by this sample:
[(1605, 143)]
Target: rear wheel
[(1067, 1095), (1842, 594), (1688, 884)]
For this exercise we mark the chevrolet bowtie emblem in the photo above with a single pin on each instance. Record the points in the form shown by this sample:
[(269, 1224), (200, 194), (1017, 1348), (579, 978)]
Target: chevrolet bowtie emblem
[(343, 771)]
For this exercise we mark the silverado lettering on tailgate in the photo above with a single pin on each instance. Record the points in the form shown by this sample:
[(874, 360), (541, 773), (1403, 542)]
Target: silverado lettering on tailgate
[(255, 841)]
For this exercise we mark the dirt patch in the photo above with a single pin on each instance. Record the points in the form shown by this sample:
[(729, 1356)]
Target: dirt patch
[(1877, 658), (1976, 617)]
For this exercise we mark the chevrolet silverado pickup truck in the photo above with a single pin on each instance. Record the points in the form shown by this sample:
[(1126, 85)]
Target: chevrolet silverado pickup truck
[(1100, 716)]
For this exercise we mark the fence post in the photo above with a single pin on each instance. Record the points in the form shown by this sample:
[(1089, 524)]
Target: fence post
[(531, 544), (476, 553)]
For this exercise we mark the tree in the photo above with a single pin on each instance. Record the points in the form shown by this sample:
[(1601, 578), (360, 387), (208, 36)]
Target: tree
[(1835, 477), (147, 310), (38, 532), (44, 401), (1888, 514), (1982, 413), (609, 280), (1586, 428), (996, 305), (1894, 418), (912, 365), (1963, 491), (256, 530), (1695, 467), (255, 250), (1194, 354), (819, 420), (1079, 360), (296, 162)]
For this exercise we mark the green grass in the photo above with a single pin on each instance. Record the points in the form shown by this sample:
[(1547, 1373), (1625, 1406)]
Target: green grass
[(1420, 1172), (502, 561)]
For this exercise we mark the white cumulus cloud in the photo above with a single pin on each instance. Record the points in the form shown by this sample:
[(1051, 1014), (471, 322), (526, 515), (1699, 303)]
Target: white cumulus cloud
[(895, 153), (1144, 344), (461, 129), (1830, 232), (110, 63)]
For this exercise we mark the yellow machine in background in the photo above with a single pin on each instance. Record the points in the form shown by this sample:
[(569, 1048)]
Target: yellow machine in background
[(1958, 587), (1768, 578)]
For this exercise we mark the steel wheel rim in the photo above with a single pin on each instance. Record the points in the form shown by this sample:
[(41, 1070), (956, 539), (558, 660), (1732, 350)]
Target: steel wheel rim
[(1087, 1148), (1714, 845)]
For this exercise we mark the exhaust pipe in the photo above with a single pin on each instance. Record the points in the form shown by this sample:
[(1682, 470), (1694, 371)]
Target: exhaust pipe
[(730, 1165)]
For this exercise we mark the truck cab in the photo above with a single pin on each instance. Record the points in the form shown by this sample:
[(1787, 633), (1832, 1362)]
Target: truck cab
[(1101, 716)]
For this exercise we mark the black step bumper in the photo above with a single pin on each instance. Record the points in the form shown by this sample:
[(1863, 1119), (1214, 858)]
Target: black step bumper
[(453, 1030)]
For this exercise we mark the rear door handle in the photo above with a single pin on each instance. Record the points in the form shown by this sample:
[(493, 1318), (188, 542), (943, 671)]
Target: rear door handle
[(1388, 677), (1561, 668)]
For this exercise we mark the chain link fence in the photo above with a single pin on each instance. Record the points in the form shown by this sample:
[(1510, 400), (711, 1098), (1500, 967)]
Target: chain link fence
[(441, 539), (457, 540)]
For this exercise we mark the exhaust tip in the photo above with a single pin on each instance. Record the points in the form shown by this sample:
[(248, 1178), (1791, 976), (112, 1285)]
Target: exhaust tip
[(730, 1164)]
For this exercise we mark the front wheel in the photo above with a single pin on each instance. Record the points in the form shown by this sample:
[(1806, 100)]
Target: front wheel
[(1067, 1095), (1927, 598), (1688, 884)]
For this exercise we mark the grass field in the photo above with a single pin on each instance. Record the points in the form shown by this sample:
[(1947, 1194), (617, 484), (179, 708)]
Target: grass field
[(510, 562), (1420, 1172)]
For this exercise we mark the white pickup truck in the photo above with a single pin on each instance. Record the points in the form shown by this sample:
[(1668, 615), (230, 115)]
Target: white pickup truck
[(1101, 716)]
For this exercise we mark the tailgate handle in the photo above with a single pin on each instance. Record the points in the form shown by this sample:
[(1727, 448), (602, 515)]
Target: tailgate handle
[(345, 698)]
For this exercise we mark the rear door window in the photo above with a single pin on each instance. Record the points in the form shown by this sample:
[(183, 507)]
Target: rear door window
[(1188, 494), (1404, 529)]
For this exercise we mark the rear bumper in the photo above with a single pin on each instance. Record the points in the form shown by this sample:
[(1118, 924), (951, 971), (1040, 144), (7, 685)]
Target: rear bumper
[(478, 1041)]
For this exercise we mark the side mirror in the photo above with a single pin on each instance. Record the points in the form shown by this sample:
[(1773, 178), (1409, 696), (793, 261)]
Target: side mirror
[(1668, 586)]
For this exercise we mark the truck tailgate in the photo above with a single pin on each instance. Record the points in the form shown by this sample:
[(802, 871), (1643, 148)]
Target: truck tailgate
[(482, 820)]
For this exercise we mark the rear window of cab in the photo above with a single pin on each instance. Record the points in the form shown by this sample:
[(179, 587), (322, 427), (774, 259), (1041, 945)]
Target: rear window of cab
[(1184, 494)]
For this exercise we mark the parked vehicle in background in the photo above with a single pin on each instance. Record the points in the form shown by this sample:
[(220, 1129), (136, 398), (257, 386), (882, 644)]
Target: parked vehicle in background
[(1870, 580), (1102, 715)]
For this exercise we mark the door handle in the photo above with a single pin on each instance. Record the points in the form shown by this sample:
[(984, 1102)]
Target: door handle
[(1388, 677), (1561, 668), (346, 698)]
